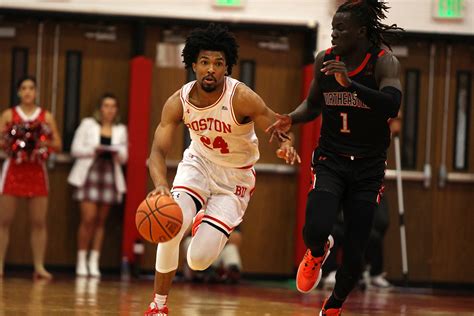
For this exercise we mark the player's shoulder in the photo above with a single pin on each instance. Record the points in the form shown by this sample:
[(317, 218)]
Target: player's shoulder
[(321, 55), (173, 108), (387, 62), (174, 99), (386, 56), (243, 94)]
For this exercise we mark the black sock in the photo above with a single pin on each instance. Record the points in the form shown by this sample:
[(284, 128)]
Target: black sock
[(333, 302)]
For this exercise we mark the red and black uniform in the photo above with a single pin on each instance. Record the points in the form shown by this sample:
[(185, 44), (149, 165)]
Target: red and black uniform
[(351, 127), (348, 167)]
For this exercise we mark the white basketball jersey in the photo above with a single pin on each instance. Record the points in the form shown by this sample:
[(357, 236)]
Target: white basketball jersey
[(215, 133)]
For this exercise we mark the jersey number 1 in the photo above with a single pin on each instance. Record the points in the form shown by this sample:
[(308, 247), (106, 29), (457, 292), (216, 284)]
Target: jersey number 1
[(218, 143), (345, 128)]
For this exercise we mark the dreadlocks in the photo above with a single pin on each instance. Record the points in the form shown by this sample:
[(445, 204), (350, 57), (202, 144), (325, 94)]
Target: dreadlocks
[(213, 38), (370, 13)]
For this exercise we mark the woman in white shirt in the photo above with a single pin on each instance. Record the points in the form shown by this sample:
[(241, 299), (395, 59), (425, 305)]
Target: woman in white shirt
[(100, 148)]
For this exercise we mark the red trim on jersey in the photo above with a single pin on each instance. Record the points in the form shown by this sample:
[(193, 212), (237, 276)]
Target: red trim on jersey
[(232, 104), (229, 229), (190, 191), (361, 66), (328, 51), (246, 167), (255, 186), (379, 195), (210, 106), (382, 52), (183, 102)]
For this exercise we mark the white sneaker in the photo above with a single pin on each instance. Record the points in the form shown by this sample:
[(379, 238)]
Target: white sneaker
[(330, 280), (380, 281), (94, 264), (81, 269), (94, 270)]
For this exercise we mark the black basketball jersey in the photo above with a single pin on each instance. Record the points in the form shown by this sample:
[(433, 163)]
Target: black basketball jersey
[(350, 127)]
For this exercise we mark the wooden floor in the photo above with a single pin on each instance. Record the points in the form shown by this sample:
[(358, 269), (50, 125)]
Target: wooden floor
[(69, 296)]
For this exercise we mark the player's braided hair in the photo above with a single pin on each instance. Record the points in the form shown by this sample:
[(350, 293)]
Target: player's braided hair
[(214, 38), (370, 13)]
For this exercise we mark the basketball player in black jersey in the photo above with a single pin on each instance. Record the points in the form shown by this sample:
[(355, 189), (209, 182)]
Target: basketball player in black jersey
[(356, 87)]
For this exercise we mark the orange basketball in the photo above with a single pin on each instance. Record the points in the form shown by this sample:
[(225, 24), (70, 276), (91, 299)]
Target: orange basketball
[(158, 218)]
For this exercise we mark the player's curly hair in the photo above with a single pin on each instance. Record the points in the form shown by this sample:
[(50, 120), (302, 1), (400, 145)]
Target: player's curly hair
[(370, 13), (214, 38)]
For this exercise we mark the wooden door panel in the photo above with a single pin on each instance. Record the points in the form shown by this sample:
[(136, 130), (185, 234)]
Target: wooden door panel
[(452, 214), (437, 219), (26, 37)]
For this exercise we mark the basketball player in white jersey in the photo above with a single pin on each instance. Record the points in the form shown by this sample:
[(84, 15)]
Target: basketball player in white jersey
[(217, 167)]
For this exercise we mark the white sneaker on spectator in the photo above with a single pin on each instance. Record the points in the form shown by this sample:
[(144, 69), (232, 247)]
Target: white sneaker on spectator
[(379, 281), (330, 280)]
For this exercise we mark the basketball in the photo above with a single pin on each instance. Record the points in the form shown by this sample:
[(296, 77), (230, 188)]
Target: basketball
[(158, 218)]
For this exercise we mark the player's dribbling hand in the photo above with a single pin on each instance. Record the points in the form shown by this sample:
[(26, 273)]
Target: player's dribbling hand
[(339, 70), (279, 129), (160, 190), (288, 153)]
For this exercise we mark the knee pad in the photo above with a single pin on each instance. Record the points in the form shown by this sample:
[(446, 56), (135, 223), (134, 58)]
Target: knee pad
[(205, 247), (167, 254)]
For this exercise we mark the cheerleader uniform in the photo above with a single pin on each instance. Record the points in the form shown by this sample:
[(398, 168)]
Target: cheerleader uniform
[(25, 178)]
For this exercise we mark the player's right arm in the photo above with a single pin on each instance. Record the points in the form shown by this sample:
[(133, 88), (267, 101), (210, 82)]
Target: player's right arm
[(310, 108), (163, 140)]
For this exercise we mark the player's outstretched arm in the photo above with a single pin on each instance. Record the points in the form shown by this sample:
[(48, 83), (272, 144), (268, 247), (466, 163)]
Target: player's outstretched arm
[(163, 140), (310, 108), (249, 105)]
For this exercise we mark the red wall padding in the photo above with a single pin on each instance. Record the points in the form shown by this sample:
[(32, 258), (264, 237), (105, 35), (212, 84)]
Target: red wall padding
[(308, 141), (139, 146)]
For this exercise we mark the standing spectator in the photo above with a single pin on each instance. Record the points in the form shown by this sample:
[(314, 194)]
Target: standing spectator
[(28, 134), (100, 148)]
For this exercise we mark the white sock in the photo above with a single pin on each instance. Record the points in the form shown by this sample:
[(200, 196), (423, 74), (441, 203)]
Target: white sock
[(160, 300), (81, 265), (94, 263), (82, 256)]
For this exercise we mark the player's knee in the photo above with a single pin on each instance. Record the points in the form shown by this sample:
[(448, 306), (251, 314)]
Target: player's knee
[(321, 214), (199, 260)]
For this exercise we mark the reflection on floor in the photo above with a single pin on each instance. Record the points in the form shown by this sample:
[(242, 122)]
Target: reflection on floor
[(83, 296)]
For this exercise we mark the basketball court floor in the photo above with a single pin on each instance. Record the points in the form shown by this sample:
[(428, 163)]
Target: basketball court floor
[(110, 296)]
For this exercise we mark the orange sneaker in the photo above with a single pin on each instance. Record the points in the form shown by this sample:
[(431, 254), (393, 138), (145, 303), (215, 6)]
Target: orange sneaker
[(196, 222), (329, 312), (154, 310), (309, 271)]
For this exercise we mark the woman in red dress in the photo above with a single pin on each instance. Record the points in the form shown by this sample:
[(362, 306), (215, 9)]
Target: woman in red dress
[(26, 178)]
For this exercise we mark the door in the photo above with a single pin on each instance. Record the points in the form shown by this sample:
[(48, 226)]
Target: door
[(437, 160)]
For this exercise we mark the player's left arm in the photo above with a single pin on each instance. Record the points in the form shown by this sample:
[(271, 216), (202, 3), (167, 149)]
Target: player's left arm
[(248, 104), (388, 98), (56, 142)]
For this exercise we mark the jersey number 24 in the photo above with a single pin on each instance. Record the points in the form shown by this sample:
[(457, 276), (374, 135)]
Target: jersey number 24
[(218, 143)]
